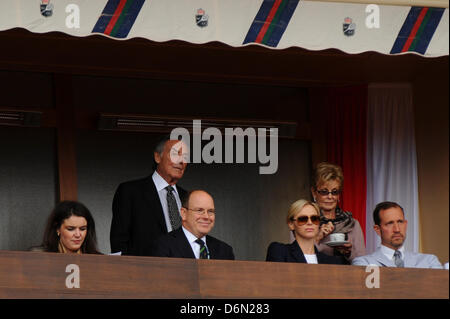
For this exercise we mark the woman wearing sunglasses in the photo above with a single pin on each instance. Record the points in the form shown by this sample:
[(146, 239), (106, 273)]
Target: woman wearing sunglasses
[(303, 220), (328, 180)]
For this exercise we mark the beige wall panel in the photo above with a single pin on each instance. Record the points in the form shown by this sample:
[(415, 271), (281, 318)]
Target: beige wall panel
[(432, 129)]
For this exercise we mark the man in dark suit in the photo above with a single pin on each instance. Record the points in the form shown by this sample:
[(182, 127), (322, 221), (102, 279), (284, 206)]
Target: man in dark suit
[(147, 208), (192, 239)]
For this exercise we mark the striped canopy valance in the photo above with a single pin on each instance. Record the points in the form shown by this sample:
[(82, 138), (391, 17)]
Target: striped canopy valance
[(277, 24)]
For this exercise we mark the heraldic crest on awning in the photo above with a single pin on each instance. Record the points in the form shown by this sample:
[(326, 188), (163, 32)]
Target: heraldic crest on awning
[(277, 24)]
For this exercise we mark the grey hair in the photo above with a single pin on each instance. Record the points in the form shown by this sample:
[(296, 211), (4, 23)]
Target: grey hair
[(159, 148)]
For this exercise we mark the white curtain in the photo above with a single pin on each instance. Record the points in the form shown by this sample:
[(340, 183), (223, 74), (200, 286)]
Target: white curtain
[(391, 158)]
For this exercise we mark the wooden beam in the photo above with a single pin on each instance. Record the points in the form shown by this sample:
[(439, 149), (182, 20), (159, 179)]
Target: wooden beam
[(65, 135), (293, 67), (317, 101)]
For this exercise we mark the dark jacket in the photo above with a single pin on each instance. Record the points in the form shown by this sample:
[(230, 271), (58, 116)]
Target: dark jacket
[(292, 253), (138, 218), (175, 244)]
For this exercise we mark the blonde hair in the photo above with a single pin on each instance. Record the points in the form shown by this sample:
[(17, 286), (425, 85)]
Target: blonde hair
[(298, 206), (326, 172)]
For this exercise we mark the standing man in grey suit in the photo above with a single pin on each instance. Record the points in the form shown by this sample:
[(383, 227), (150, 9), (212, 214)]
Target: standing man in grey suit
[(192, 240), (147, 208), (391, 225)]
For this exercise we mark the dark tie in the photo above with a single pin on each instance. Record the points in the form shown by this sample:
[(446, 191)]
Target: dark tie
[(398, 259), (174, 215), (204, 254)]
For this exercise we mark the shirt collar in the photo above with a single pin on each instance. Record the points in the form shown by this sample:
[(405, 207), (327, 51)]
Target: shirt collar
[(191, 237), (161, 183), (389, 252)]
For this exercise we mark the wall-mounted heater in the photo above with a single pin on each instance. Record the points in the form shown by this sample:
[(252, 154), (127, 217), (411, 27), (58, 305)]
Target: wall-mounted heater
[(20, 118), (165, 124)]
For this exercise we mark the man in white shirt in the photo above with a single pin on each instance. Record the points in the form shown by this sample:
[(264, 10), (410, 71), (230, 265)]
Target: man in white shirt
[(391, 226), (147, 208), (192, 240)]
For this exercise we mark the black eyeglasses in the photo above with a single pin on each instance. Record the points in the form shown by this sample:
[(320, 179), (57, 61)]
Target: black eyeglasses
[(302, 220), (325, 192), (201, 211)]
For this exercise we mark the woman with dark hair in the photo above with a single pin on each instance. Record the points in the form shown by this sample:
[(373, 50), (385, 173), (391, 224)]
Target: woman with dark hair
[(70, 229)]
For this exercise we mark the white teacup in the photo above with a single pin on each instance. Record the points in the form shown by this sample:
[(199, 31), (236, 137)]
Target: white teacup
[(337, 237)]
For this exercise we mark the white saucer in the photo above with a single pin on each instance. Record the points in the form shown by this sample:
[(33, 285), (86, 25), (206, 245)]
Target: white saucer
[(337, 243)]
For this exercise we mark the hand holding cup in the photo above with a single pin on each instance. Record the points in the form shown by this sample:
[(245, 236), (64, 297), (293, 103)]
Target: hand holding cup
[(325, 230)]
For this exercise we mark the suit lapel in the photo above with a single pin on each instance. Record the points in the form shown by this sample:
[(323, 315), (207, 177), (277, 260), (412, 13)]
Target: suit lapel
[(296, 252), (382, 259), (154, 203), (321, 258), (182, 244), (181, 192), (213, 248), (409, 260)]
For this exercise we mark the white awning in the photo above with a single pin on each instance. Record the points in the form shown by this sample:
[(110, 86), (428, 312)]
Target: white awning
[(276, 24)]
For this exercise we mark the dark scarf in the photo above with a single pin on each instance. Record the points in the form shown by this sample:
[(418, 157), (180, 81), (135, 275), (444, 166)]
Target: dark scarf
[(343, 223)]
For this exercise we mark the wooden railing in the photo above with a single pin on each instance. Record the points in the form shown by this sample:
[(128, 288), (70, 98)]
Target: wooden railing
[(51, 275)]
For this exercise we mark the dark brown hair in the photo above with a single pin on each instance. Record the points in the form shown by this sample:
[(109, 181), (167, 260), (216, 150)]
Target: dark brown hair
[(61, 212), (383, 206)]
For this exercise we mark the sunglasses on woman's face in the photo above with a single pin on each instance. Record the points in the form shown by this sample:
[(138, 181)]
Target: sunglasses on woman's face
[(302, 220), (325, 192)]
